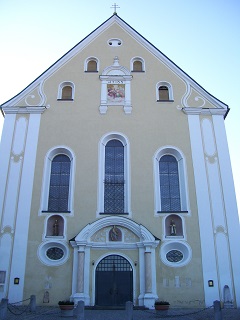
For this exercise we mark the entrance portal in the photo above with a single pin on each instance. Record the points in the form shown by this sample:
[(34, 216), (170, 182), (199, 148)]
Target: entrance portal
[(114, 281)]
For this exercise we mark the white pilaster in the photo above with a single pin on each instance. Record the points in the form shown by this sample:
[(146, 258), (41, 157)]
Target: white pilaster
[(5, 150), (209, 264), (230, 204), (19, 252)]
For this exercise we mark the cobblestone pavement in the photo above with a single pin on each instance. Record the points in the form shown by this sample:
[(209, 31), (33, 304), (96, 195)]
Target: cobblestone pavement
[(53, 313)]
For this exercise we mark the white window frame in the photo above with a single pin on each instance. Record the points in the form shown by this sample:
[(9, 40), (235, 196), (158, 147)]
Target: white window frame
[(184, 198), (46, 178), (101, 171), (90, 59), (170, 90), (137, 59), (64, 84)]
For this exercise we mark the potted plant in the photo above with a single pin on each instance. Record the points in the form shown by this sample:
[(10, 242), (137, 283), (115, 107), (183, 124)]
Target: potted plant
[(161, 305), (66, 305)]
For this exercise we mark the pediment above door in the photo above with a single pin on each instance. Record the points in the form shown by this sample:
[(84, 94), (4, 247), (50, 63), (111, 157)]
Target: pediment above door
[(115, 232)]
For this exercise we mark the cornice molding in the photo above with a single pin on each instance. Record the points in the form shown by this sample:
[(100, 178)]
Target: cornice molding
[(23, 110), (204, 111)]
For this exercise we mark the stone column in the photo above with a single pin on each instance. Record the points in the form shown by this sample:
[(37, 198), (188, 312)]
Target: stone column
[(150, 291), (80, 274), (148, 271)]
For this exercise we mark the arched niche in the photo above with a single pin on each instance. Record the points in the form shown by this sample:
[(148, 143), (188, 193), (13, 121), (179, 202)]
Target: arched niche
[(55, 226), (173, 226)]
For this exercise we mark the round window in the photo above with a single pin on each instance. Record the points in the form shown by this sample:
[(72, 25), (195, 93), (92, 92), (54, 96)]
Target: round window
[(174, 256), (55, 253)]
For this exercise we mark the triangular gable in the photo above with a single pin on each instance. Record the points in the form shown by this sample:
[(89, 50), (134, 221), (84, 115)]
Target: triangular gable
[(192, 84)]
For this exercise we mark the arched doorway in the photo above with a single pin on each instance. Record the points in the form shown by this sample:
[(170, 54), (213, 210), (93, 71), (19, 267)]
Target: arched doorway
[(114, 281)]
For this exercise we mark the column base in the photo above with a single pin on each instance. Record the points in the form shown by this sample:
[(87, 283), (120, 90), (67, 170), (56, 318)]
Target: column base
[(81, 297), (149, 300)]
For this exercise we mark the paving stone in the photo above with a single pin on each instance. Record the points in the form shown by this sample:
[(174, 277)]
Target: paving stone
[(53, 313)]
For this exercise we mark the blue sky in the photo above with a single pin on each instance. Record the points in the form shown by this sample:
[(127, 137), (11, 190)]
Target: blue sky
[(201, 37)]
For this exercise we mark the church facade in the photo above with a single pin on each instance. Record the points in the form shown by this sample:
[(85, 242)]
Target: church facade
[(116, 182)]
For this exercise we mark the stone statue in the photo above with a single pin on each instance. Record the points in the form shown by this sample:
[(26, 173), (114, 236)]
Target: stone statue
[(173, 229), (55, 228)]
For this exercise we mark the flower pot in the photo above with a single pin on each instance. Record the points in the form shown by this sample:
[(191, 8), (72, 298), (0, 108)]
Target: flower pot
[(66, 310), (66, 306), (161, 306)]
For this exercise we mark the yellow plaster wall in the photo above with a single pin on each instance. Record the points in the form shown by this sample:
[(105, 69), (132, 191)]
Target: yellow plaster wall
[(79, 126)]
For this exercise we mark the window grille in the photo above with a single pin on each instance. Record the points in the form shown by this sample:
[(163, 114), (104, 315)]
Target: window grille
[(114, 263), (55, 253), (59, 184), (114, 177), (169, 184), (174, 256)]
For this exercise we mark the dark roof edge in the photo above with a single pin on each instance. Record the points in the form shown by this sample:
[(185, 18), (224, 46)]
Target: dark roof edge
[(172, 62), (57, 61), (144, 40)]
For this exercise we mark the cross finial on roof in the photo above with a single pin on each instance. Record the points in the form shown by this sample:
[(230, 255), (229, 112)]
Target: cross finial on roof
[(115, 6)]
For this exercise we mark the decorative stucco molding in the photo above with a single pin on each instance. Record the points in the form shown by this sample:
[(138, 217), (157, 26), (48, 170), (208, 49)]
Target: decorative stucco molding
[(23, 110)]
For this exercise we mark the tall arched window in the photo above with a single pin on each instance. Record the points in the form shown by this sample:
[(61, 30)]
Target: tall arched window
[(114, 177), (114, 181), (170, 181), (59, 184), (169, 184), (58, 181)]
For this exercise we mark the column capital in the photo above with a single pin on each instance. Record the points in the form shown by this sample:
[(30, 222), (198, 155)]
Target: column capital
[(149, 245)]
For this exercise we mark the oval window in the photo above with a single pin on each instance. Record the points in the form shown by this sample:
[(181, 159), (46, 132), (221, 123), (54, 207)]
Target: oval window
[(174, 256), (175, 253), (55, 253)]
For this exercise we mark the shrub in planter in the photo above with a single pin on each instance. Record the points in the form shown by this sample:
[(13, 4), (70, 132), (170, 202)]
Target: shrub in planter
[(66, 305), (161, 305)]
